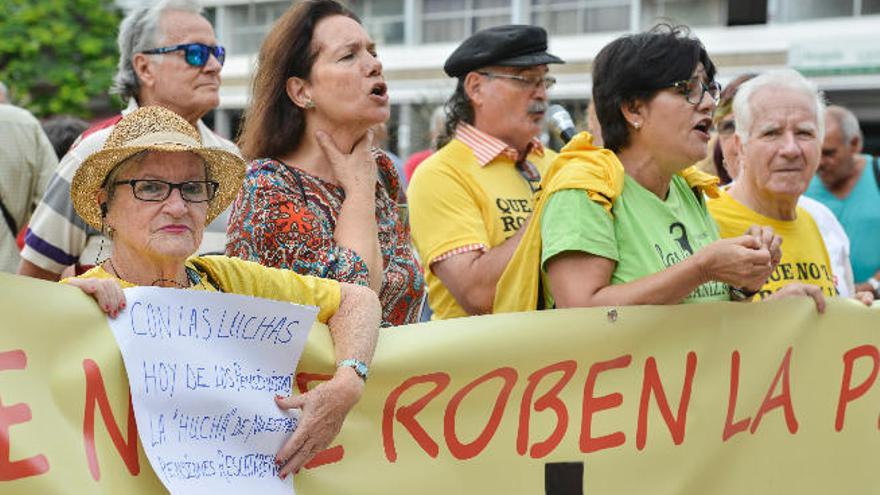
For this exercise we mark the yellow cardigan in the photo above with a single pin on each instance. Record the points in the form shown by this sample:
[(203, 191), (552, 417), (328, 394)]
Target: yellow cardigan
[(580, 165)]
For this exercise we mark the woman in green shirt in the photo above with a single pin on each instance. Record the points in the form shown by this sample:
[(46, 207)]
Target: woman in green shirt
[(653, 241)]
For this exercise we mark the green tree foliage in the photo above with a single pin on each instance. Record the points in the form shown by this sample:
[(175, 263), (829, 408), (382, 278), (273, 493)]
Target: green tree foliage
[(58, 56)]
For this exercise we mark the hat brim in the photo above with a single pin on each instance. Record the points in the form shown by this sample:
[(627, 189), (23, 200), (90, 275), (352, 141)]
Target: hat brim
[(530, 59), (224, 167)]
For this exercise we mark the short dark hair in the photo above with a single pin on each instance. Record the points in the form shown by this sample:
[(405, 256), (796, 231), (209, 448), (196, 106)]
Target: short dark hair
[(635, 67), (273, 125), (62, 131)]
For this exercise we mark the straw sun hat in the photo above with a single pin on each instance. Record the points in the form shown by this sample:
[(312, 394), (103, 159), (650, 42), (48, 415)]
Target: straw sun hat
[(154, 129)]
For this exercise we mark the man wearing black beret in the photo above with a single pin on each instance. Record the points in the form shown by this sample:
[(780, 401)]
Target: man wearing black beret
[(469, 200)]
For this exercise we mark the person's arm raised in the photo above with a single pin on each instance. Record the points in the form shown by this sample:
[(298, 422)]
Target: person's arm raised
[(356, 227)]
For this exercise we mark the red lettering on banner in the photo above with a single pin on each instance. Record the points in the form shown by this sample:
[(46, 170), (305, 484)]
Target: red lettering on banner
[(592, 405), (13, 415), (330, 455), (651, 382), (406, 415), (730, 428), (549, 400), (468, 450), (848, 394), (783, 400), (96, 393)]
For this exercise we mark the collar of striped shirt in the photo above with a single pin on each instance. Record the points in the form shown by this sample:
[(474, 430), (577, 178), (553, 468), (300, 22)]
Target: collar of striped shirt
[(486, 147)]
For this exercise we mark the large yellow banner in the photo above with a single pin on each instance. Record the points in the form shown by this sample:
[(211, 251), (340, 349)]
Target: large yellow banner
[(718, 398)]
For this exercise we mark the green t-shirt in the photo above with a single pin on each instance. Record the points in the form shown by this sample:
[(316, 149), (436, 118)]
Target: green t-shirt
[(645, 235)]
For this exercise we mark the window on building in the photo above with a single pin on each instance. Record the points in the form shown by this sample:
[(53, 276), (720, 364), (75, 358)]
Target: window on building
[(246, 25), (454, 20), (688, 12), (801, 10), (561, 17), (383, 19)]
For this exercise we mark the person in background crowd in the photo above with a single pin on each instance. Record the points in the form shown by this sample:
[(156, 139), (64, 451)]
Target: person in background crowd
[(168, 57), (628, 224), (318, 197), (724, 150), (4, 93), (26, 164), (63, 131), (848, 183), (779, 131), (469, 201), (152, 187), (438, 122), (836, 241)]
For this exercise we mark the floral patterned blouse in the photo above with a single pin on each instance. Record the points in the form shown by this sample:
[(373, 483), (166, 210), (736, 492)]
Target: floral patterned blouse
[(285, 218)]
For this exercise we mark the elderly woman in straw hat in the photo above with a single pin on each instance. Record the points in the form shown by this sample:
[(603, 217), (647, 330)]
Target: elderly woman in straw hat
[(151, 189)]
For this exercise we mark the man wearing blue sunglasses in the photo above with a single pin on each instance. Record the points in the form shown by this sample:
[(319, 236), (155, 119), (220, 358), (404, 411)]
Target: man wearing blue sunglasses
[(169, 56)]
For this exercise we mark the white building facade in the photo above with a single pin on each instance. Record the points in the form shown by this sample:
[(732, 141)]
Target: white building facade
[(834, 42)]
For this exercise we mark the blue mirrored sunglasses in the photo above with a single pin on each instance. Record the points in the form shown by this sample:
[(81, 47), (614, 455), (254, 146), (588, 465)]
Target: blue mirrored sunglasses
[(196, 54)]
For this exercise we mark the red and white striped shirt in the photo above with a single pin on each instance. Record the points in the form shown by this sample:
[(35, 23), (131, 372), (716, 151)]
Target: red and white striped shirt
[(486, 147)]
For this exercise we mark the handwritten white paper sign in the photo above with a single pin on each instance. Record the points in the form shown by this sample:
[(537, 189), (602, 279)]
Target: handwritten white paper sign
[(203, 369)]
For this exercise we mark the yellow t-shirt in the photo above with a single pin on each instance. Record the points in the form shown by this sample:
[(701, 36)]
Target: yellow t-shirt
[(237, 276), (804, 257), (455, 203)]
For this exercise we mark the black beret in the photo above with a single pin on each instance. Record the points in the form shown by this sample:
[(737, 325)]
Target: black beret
[(509, 46)]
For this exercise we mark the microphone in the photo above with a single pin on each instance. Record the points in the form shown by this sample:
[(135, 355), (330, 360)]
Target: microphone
[(560, 123)]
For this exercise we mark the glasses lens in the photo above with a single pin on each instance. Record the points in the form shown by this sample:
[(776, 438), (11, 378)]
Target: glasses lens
[(197, 55), (695, 90), (715, 90), (220, 53), (194, 191), (549, 82), (150, 190)]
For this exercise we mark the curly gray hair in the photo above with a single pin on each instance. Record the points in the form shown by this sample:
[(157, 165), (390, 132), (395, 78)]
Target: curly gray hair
[(139, 31)]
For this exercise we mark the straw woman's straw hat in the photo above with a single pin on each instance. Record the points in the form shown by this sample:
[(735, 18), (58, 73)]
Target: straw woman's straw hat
[(155, 129)]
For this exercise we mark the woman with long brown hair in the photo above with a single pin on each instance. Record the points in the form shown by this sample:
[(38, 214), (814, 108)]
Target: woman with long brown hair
[(318, 198)]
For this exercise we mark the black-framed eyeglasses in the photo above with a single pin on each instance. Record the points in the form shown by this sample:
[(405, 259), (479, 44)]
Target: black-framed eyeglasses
[(694, 88), (526, 81), (195, 54), (727, 127), (154, 190)]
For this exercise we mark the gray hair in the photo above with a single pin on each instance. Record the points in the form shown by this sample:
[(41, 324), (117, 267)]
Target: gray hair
[(139, 31), (849, 124), (787, 79)]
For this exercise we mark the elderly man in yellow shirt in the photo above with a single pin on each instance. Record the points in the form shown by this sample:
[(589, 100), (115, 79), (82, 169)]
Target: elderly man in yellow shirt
[(779, 130), (469, 201)]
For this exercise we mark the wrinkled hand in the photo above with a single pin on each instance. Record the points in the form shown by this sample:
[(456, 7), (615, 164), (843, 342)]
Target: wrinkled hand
[(798, 289), (769, 241), (106, 291), (323, 410), (739, 261), (356, 171), (864, 297)]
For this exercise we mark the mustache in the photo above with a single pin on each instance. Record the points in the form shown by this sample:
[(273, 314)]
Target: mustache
[(538, 107)]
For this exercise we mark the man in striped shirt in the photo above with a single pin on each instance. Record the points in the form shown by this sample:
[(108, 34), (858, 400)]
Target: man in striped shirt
[(469, 201), (181, 72)]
